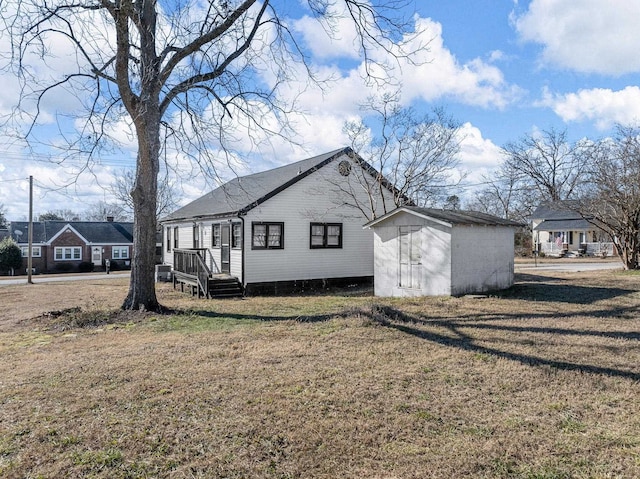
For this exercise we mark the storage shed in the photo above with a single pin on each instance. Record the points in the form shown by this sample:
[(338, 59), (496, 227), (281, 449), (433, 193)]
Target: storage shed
[(428, 252)]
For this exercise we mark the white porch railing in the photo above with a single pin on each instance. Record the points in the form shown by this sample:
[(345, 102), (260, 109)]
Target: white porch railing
[(590, 249), (551, 248), (600, 249)]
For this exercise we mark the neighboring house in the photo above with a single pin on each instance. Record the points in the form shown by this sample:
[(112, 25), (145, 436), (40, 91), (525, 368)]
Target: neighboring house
[(560, 230), (282, 229), (429, 252), (60, 246)]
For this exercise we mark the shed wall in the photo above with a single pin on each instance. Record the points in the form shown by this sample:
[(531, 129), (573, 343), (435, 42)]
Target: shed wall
[(482, 258), (435, 262)]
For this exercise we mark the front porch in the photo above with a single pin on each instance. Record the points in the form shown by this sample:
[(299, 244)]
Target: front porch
[(190, 269)]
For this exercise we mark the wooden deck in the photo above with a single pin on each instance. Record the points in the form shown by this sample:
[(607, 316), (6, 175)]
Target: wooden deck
[(190, 269)]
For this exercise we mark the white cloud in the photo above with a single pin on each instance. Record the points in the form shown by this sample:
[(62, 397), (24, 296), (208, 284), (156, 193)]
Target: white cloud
[(439, 75), (589, 36), (602, 106), (479, 156), (435, 74), (330, 40)]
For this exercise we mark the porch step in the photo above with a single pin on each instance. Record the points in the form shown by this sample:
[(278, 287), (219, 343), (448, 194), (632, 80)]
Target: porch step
[(225, 287)]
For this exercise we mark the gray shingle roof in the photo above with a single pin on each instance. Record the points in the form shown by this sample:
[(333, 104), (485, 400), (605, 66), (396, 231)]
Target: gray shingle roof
[(462, 217), (106, 232), (559, 210), (564, 225), (453, 217), (242, 194), (561, 216)]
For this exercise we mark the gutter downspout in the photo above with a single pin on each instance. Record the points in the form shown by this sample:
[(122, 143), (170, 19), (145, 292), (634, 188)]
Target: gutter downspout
[(241, 218)]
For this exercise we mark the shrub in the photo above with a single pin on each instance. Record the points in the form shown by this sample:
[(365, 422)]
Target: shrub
[(85, 267), (10, 255), (115, 266), (64, 267)]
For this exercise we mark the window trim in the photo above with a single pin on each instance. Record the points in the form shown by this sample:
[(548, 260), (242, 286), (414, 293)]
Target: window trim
[(268, 225), (325, 243), (36, 251), (62, 250), (216, 235), (120, 248), (236, 242)]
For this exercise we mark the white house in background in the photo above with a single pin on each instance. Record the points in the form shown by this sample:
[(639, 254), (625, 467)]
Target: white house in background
[(284, 228), (429, 252), (560, 230)]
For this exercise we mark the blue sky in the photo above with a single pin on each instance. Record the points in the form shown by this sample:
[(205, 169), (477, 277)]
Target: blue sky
[(502, 68)]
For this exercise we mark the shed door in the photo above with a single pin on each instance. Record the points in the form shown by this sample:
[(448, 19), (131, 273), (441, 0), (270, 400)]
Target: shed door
[(225, 260), (410, 257)]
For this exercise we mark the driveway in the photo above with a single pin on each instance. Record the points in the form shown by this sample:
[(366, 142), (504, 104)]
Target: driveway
[(51, 278), (569, 265)]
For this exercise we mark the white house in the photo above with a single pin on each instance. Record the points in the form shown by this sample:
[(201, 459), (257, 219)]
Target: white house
[(428, 252), (284, 228), (560, 230)]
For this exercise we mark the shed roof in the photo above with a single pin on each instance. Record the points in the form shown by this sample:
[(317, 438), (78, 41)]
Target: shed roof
[(97, 232), (449, 217)]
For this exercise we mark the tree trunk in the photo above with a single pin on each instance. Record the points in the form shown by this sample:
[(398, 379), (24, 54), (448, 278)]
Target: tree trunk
[(142, 292)]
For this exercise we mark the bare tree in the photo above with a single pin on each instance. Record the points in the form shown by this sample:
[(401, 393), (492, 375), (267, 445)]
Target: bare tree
[(59, 215), (167, 198), (102, 210), (506, 194), (552, 165), (612, 200), (415, 153), (176, 73)]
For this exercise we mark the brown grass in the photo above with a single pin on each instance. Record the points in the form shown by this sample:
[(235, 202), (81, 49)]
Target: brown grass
[(539, 382)]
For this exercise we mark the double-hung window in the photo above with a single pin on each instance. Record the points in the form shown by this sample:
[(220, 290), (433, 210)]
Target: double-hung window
[(236, 235), (326, 235), (176, 235), (216, 240), (168, 239), (36, 251), (267, 235), (63, 253), (120, 252)]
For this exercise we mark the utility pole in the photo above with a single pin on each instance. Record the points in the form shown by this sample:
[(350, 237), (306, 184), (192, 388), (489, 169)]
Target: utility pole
[(30, 249)]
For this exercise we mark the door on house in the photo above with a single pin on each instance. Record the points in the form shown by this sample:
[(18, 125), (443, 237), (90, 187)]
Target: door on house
[(96, 255), (410, 255), (225, 249), (196, 236)]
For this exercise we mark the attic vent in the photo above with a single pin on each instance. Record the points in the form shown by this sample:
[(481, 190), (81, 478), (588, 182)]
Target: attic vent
[(344, 168)]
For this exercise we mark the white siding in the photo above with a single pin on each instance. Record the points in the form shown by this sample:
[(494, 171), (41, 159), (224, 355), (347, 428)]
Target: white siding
[(483, 258), (315, 198), (185, 240), (436, 257)]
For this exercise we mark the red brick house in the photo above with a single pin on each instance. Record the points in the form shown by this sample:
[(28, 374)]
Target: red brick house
[(63, 246)]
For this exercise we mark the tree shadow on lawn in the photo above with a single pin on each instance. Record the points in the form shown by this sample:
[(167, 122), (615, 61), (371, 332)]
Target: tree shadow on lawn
[(455, 338), (544, 288), (528, 288)]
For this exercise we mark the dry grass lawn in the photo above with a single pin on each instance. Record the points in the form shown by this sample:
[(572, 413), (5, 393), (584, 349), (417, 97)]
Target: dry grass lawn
[(539, 382)]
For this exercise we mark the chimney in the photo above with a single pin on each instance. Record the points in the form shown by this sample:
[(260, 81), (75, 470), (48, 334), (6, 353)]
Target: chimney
[(110, 219)]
